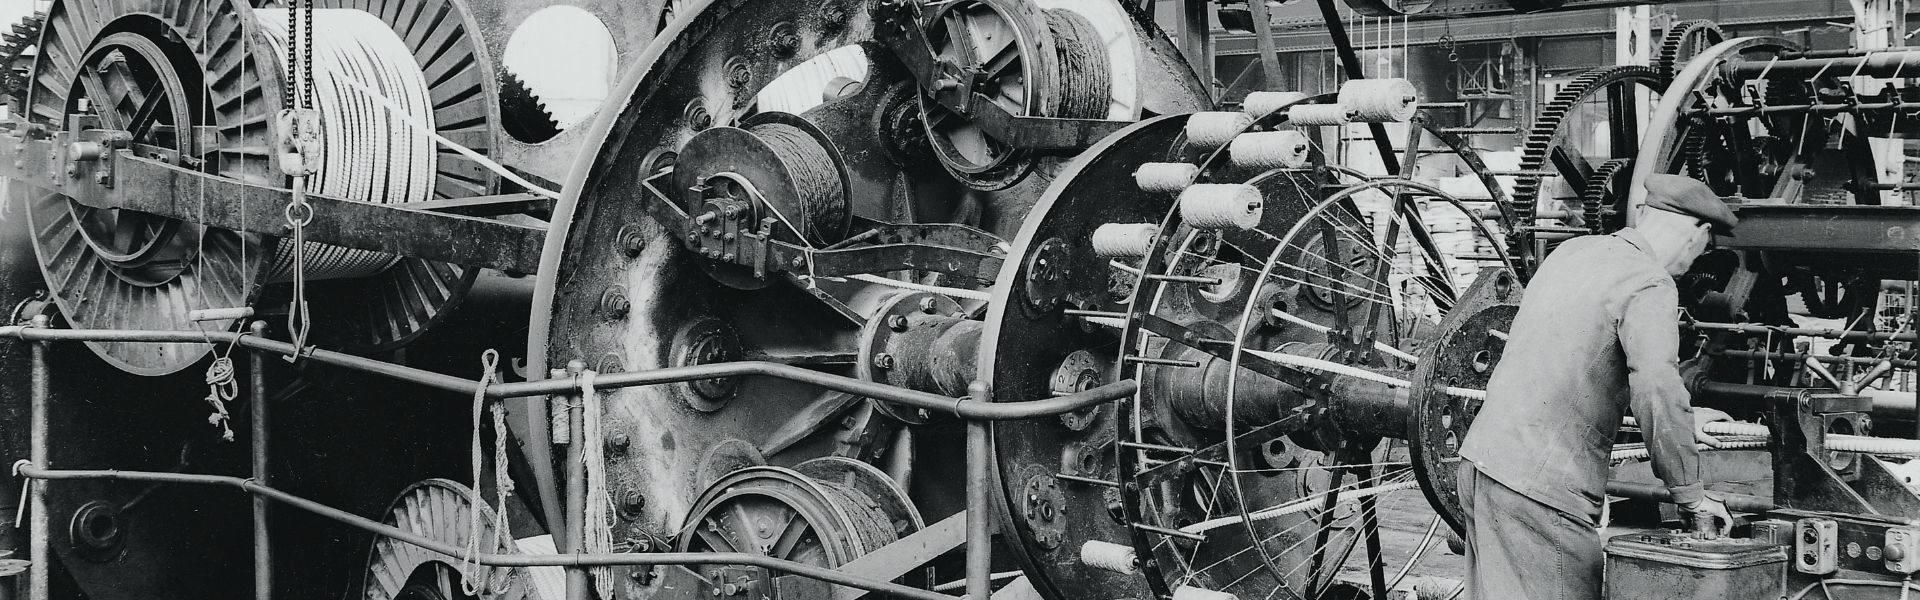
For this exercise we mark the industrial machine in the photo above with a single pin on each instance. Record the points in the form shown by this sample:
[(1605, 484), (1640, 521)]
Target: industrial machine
[(839, 297)]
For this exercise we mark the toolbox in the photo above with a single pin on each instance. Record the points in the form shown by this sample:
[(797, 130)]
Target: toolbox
[(1657, 565)]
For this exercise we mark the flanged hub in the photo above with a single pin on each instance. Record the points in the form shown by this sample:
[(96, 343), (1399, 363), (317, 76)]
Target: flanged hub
[(706, 341)]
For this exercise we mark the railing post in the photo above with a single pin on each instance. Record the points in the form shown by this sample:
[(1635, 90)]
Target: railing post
[(980, 508), (262, 543), (579, 580), (39, 533)]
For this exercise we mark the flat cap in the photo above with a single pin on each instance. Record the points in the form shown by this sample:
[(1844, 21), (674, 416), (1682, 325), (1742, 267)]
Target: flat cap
[(1690, 197)]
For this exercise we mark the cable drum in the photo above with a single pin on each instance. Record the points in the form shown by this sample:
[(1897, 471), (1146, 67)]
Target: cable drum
[(370, 154), (1380, 100), (821, 200), (1086, 90)]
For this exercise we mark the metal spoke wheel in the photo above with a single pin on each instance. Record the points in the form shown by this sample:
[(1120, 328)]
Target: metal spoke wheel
[(786, 515)]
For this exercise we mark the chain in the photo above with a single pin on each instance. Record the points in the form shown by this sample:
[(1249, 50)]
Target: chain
[(298, 212)]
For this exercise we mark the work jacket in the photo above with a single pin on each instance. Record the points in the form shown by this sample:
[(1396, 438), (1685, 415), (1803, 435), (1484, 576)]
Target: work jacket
[(1597, 331)]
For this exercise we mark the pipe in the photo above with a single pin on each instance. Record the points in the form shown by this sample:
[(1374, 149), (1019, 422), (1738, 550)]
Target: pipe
[(32, 471), (262, 541), (965, 408), (1660, 493), (1837, 334), (40, 527), (979, 533)]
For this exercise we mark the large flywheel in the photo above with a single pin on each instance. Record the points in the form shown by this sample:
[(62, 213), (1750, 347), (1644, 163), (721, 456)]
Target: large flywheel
[(200, 87), (723, 220)]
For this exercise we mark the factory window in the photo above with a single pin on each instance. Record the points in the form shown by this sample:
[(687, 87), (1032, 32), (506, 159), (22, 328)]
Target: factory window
[(560, 65)]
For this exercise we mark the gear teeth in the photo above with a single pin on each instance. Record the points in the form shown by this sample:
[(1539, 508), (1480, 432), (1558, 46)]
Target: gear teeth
[(13, 74), (522, 113), (1595, 199), (1674, 48), (1537, 146)]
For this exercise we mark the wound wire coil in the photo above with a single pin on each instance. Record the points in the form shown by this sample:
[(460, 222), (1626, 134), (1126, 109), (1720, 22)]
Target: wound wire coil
[(369, 155), (1262, 104), (1312, 115), (1086, 89), (1222, 206), (1125, 240), (1391, 100), (1268, 150), (822, 214), (1211, 130)]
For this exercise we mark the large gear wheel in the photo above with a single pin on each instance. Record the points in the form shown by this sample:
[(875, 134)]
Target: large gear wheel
[(1555, 155), (1683, 41), (441, 510), (14, 67), (522, 113)]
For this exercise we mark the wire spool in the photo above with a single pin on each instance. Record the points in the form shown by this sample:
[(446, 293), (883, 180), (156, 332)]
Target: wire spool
[(1262, 104), (1211, 130), (1108, 556), (1315, 115), (1380, 100), (1268, 150), (1222, 206), (819, 206), (1165, 178), (1086, 89), (1125, 240), (370, 154)]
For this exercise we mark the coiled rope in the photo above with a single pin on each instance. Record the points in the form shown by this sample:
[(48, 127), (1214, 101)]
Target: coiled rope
[(822, 202), (369, 153), (1086, 89), (596, 525), (470, 580)]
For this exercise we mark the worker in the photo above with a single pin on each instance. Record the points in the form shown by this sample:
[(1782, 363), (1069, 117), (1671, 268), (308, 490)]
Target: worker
[(1597, 331)]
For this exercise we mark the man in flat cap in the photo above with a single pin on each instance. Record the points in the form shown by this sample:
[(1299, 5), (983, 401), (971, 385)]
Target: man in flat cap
[(1597, 333)]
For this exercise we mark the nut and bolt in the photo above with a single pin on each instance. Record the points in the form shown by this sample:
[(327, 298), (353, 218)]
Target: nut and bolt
[(929, 305), (883, 360), (618, 442), (897, 322)]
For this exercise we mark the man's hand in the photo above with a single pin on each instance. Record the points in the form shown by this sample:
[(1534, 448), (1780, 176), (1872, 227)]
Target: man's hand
[(1705, 512), (1701, 417)]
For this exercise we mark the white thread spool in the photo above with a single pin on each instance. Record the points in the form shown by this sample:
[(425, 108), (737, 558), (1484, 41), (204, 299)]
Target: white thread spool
[(1380, 100), (1165, 178), (1308, 115), (1262, 104), (1270, 150), (1108, 556), (1222, 205), (1211, 130), (1124, 240), (1187, 592)]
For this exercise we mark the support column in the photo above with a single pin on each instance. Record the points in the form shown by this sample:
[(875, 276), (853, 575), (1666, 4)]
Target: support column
[(980, 509), (258, 423), (39, 533)]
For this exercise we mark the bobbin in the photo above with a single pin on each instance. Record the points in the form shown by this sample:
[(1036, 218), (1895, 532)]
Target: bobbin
[(1389, 100), (1222, 206), (1108, 556), (1165, 178), (1124, 240), (1211, 130), (1262, 104), (1310, 115), (1270, 150)]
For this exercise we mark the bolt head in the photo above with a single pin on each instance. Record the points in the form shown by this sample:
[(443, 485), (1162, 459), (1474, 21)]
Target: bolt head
[(883, 360), (929, 305), (897, 322)]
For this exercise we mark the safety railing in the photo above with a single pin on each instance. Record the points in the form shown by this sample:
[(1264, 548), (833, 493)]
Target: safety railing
[(977, 413)]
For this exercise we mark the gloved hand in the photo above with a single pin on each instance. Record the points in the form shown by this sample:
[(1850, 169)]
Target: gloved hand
[(1705, 512), (1701, 417)]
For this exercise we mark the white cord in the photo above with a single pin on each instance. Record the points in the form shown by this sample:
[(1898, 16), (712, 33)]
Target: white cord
[(981, 295)]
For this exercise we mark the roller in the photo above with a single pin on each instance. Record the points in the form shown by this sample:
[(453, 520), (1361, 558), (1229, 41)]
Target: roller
[(1318, 114), (1270, 150), (1187, 592), (1261, 104), (1211, 130), (1124, 240), (1222, 206), (1165, 178), (1391, 100)]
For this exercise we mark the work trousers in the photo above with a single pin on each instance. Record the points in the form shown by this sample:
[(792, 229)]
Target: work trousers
[(1520, 549)]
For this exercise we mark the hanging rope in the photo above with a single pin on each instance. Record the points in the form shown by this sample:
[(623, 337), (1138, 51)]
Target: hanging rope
[(470, 579), (595, 526)]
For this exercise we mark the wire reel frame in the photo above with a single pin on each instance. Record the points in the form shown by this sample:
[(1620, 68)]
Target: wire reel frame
[(1163, 565)]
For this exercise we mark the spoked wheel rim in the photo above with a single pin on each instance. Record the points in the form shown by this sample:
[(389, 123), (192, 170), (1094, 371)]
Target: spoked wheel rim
[(1235, 481)]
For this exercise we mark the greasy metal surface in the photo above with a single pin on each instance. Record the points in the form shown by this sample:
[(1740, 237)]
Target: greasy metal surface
[(1462, 354)]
